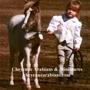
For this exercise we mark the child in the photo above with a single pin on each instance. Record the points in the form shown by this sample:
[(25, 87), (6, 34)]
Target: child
[(67, 27)]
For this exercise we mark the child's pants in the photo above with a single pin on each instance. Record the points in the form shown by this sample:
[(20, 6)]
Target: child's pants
[(64, 53)]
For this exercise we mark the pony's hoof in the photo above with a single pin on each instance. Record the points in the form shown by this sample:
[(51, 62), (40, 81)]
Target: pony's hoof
[(24, 79), (29, 87), (11, 83), (38, 86)]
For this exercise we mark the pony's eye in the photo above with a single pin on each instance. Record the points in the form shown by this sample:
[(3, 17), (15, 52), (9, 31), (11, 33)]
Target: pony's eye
[(34, 12)]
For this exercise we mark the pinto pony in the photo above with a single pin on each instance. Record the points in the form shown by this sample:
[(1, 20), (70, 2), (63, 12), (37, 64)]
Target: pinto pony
[(24, 39)]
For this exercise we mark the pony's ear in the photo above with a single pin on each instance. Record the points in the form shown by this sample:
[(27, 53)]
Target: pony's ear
[(37, 3), (26, 1)]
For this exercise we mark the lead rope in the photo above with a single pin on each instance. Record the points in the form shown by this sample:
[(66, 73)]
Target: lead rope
[(77, 55)]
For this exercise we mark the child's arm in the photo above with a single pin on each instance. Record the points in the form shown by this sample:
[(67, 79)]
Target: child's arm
[(77, 37), (53, 25)]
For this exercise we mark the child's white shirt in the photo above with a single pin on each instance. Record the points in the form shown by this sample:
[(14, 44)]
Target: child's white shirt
[(66, 29)]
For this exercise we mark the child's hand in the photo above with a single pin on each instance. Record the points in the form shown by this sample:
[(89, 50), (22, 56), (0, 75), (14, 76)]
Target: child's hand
[(77, 49), (49, 32)]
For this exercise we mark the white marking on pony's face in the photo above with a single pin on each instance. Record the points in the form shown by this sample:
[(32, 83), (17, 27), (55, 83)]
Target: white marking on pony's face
[(27, 15), (26, 18), (30, 9)]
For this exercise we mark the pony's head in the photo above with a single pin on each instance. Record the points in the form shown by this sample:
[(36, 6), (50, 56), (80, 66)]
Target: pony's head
[(32, 16)]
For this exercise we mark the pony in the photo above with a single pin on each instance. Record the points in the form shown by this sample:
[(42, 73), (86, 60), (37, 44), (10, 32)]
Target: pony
[(25, 38)]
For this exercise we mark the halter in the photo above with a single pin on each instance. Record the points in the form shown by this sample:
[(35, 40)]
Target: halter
[(76, 58), (32, 35)]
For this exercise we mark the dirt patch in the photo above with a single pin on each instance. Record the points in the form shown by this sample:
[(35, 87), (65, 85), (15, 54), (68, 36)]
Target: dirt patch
[(48, 58)]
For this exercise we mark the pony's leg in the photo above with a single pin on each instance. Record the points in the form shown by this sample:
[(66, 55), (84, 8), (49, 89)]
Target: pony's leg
[(12, 53), (28, 66), (35, 57), (21, 61)]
